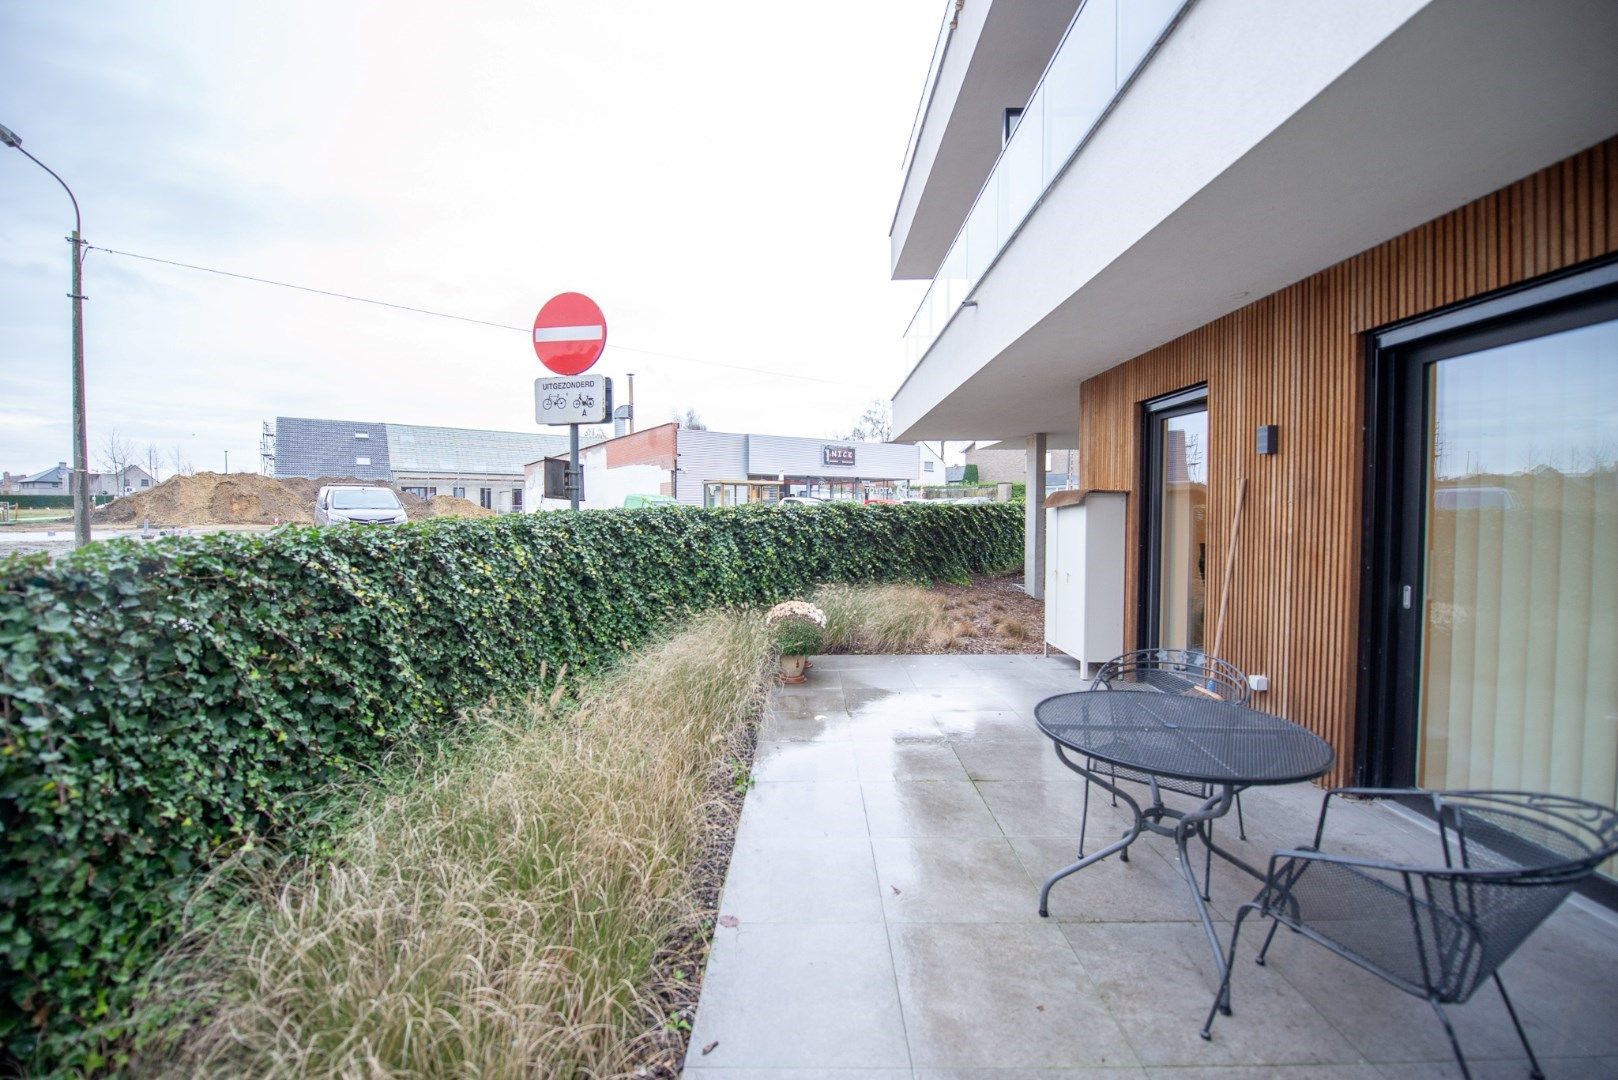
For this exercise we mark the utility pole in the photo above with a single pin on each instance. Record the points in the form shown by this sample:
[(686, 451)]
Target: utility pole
[(227, 461), (632, 403), (81, 441)]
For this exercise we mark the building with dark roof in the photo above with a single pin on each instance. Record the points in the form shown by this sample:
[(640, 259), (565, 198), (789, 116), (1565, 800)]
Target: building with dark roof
[(484, 466)]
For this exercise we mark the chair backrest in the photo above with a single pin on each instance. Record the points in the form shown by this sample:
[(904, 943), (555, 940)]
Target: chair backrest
[(1511, 858), (1174, 671)]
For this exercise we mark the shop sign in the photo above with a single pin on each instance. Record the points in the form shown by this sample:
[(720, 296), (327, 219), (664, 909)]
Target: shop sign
[(837, 455)]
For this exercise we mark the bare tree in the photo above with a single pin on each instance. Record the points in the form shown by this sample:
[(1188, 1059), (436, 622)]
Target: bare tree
[(875, 424), (690, 420), (179, 462), (154, 461), (117, 453)]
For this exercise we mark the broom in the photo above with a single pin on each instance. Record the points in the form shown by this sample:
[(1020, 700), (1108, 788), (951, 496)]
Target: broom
[(1224, 586)]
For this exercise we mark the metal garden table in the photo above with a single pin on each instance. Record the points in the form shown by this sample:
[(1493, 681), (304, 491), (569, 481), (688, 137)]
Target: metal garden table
[(1229, 747)]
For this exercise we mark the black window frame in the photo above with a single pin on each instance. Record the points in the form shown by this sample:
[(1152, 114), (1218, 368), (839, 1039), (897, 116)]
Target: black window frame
[(1153, 412)]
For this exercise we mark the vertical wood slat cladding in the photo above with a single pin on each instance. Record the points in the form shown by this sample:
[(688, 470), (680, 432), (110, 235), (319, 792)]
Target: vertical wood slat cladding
[(1296, 358)]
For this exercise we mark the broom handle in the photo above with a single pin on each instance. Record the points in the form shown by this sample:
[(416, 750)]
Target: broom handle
[(1230, 566)]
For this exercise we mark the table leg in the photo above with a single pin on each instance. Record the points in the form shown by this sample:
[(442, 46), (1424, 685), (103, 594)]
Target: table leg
[(1216, 806), (1121, 844)]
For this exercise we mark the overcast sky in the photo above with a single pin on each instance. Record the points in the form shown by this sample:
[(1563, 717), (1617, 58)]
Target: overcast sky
[(719, 175)]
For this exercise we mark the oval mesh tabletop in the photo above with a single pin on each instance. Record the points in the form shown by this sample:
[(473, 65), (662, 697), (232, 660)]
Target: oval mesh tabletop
[(1184, 737)]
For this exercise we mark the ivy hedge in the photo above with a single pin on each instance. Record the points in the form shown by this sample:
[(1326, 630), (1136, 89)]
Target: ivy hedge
[(164, 705)]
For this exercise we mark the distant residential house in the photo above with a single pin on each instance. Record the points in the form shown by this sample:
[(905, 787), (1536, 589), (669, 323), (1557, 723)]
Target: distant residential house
[(130, 479), (933, 469), (54, 481), (1001, 464)]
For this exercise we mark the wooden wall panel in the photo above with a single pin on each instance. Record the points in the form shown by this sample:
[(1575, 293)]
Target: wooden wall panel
[(1297, 358)]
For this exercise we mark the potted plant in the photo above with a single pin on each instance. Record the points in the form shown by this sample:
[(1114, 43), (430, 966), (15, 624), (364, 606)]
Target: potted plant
[(796, 627)]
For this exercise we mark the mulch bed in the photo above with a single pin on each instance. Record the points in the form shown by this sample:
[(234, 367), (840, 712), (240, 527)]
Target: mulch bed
[(993, 615), (669, 1002)]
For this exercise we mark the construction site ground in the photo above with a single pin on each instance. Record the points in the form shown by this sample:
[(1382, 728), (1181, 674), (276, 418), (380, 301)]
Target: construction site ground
[(212, 502)]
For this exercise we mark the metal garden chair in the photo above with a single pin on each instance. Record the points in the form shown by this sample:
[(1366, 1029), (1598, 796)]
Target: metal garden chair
[(1439, 931), (1169, 671)]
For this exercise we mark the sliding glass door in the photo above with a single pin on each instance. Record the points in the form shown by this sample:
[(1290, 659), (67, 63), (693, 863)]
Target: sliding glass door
[(1519, 656), (1496, 584)]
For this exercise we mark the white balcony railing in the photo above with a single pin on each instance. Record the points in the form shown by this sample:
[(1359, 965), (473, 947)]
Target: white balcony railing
[(946, 31), (1105, 44)]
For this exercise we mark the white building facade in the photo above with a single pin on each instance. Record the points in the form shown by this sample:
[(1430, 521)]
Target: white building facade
[(720, 468)]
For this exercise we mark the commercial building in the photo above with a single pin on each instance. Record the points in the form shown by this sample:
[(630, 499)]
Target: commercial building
[(719, 468), (1348, 269), (483, 466)]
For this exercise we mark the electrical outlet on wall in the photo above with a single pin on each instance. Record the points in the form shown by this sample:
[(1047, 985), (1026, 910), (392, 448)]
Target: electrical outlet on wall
[(1258, 683)]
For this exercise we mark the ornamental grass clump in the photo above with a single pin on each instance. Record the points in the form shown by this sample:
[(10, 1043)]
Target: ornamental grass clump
[(881, 618)]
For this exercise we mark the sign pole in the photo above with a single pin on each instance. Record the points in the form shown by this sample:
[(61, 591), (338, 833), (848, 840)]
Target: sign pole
[(570, 333), (573, 465)]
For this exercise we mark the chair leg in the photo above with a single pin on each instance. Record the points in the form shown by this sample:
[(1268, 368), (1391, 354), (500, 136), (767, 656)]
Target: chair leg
[(1221, 1001), (1454, 1043), (1241, 825), (1084, 817), (1207, 862), (1262, 953), (1533, 1062)]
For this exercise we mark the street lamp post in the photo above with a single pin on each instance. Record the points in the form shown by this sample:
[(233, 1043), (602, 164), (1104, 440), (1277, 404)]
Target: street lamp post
[(81, 444)]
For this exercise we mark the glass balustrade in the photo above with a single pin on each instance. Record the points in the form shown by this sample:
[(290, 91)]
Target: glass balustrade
[(1105, 44), (946, 29)]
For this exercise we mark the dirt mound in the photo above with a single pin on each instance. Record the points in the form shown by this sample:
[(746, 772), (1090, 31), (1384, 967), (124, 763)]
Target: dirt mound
[(450, 506), (251, 499), (209, 498)]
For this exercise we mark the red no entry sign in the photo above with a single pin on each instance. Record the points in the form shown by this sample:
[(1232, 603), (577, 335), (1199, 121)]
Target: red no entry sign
[(569, 333)]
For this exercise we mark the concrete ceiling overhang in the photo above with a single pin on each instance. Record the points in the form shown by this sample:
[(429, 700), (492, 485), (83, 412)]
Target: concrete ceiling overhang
[(1464, 98), (995, 59)]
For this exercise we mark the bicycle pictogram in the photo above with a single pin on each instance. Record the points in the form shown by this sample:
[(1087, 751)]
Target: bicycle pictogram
[(555, 401)]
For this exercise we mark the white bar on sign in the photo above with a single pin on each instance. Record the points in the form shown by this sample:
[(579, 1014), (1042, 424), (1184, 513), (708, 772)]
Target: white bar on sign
[(569, 333)]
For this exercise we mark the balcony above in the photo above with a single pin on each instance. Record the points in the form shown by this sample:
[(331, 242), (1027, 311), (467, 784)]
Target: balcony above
[(1263, 141), (988, 57)]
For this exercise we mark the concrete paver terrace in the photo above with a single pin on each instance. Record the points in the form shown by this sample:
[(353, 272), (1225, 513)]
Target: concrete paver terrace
[(884, 889)]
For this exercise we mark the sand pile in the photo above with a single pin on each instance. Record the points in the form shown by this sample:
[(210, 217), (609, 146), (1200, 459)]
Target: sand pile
[(209, 498), (449, 506), (251, 499)]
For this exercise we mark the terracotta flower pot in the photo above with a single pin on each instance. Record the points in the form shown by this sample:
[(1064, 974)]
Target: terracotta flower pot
[(792, 668)]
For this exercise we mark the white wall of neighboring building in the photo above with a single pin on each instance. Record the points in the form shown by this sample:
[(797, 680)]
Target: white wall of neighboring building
[(932, 467), (605, 488), (780, 455), (708, 457), (705, 457)]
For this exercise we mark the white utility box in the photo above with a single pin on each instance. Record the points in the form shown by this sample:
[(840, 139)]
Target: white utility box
[(1084, 574)]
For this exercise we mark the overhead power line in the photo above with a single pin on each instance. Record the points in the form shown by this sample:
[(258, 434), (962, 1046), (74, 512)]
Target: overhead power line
[(525, 330)]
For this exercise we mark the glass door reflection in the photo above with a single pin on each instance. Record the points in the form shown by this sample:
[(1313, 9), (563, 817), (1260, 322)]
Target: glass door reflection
[(1176, 527)]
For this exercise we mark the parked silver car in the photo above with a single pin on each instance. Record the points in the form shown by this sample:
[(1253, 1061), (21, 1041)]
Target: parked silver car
[(358, 506)]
